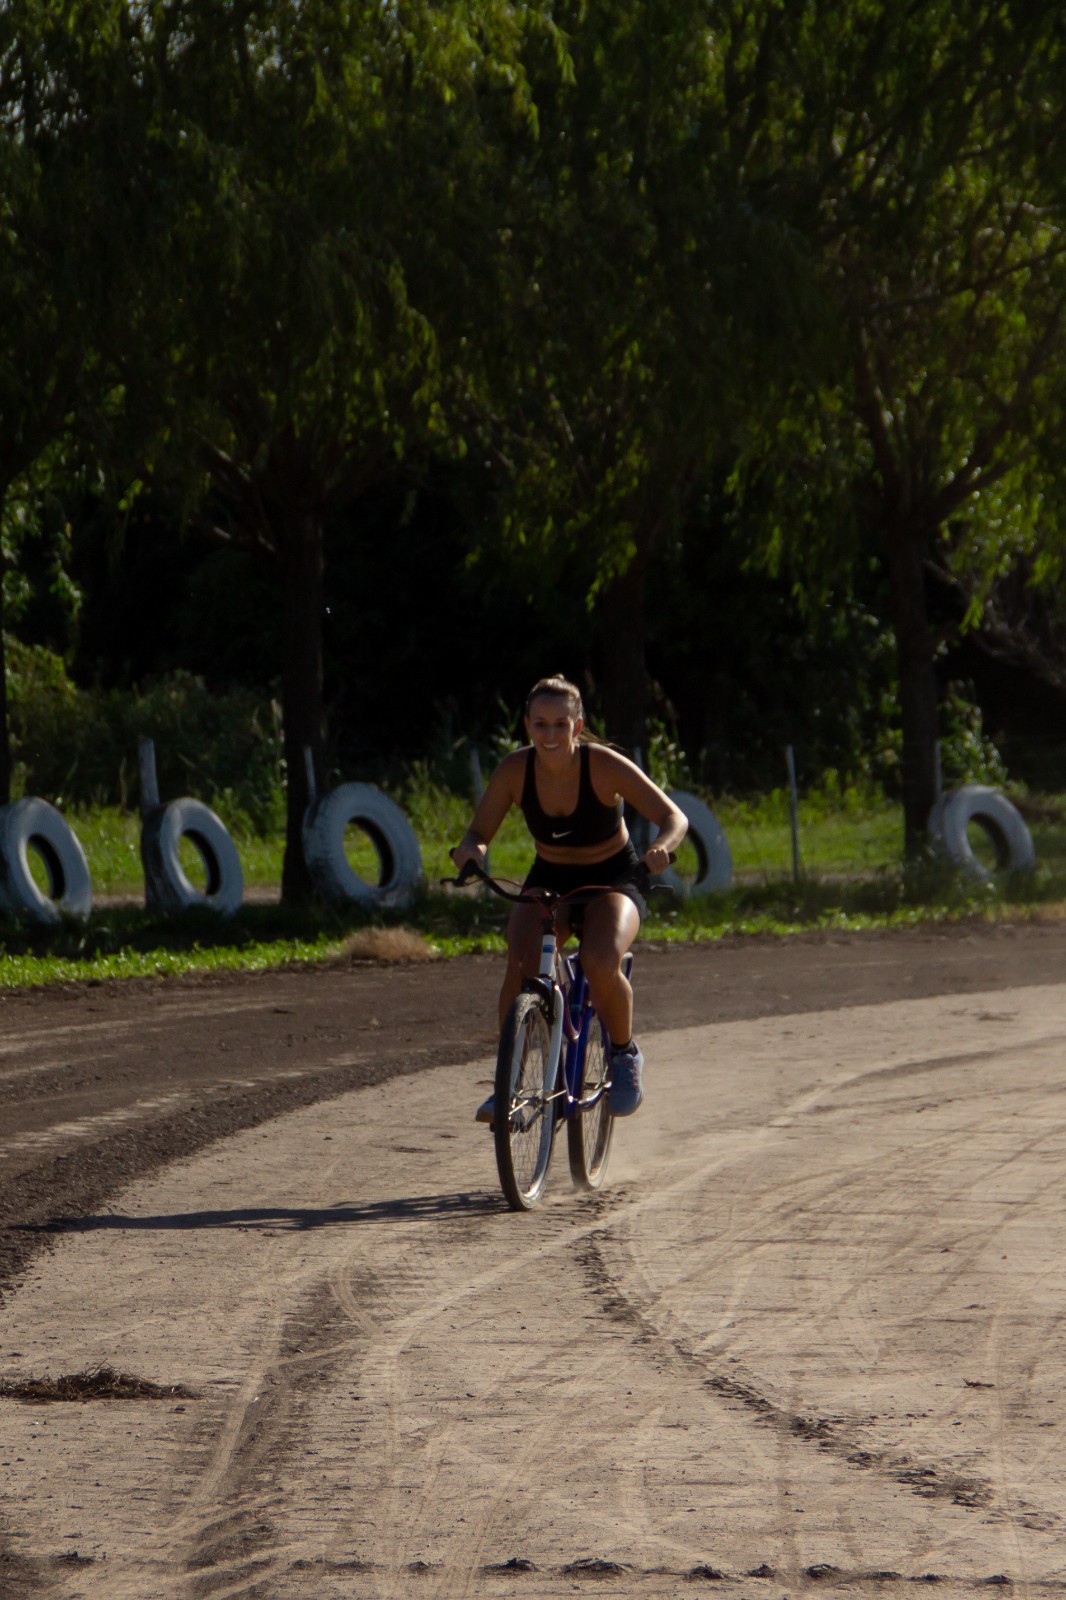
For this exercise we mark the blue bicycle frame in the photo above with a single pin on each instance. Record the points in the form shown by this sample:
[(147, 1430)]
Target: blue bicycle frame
[(578, 1018)]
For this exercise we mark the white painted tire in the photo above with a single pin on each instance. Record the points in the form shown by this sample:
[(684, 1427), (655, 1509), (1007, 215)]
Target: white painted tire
[(33, 823), (391, 834), (1000, 819), (167, 889), (715, 864)]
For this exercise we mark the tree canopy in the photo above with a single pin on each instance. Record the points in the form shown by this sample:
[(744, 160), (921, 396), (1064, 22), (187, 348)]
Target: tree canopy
[(784, 279), (67, 210), (911, 144), (309, 330)]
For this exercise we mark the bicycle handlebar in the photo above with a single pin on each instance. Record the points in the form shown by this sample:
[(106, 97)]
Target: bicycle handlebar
[(471, 870)]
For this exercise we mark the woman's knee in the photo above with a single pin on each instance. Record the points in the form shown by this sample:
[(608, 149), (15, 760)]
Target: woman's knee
[(523, 945), (518, 957), (602, 962)]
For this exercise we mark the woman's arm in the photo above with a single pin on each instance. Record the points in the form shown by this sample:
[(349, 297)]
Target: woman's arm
[(611, 770), (500, 795)]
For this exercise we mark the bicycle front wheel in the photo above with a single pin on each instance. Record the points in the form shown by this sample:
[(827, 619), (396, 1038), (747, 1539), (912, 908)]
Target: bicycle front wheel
[(524, 1111), (588, 1133)]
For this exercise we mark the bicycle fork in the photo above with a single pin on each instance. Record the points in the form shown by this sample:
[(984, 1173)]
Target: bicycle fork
[(563, 1004), (548, 984), (578, 1025)]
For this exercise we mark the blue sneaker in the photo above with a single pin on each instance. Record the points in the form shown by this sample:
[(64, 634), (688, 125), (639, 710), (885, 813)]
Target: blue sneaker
[(486, 1111), (626, 1091)]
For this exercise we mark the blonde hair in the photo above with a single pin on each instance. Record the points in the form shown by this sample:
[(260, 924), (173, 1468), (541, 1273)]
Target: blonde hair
[(562, 689)]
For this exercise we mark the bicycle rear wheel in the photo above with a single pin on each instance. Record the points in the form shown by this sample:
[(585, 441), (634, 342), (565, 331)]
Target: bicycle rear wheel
[(588, 1133), (524, 1113)]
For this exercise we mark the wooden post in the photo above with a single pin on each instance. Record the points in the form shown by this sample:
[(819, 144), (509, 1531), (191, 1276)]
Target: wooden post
[(639, 828), (149, 780), (793, 808), (479, 790)]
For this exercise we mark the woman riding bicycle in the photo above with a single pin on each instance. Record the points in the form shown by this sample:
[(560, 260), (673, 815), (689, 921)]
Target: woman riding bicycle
[(571, 791)]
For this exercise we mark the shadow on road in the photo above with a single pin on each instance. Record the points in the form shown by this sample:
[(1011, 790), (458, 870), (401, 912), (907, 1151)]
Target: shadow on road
[(269, 1218)]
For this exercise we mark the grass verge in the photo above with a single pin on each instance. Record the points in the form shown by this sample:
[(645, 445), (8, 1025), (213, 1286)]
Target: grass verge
[(850, 879), (125, 942)]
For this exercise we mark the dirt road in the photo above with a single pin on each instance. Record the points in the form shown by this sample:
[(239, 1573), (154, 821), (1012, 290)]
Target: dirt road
[(810, 1336)]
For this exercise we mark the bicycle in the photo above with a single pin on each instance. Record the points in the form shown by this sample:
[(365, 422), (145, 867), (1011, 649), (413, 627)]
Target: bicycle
[(537, 1080)]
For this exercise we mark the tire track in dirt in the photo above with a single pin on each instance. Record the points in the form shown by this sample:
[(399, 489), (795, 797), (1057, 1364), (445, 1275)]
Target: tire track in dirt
[(738, 1253), (396, 1375), (794, 1423), (206, 1028), (438, 1375)]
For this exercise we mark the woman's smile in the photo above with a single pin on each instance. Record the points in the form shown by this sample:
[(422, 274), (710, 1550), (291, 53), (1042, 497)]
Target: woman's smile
[(551, 730)]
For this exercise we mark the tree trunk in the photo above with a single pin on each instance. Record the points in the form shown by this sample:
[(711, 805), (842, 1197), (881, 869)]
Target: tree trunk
[(622, 653), (917, 679), (301, 561), (5, 731)]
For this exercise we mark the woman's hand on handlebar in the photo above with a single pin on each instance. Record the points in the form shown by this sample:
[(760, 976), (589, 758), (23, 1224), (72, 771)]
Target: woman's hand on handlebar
[(467, 851), (657, 858)]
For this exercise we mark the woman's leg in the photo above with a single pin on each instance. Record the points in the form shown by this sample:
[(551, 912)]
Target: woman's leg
[(523, 952), (612, 922), (523, 961)]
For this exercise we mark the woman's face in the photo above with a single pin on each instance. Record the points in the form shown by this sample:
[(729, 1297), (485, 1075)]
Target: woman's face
[(551, 726)]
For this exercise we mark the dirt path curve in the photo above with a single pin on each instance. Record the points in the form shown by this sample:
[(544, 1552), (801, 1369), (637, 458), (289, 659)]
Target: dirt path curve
[(811, 1336)]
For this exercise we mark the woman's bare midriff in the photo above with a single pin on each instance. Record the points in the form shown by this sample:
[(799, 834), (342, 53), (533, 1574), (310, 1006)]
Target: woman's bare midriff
[(585, 855)]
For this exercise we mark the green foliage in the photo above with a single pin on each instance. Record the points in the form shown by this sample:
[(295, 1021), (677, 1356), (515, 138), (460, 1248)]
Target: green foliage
[(754, 662), (666, 762), (316, 317), (648, 295), (967, 754), (898, 140), (79, 747), (316, 312), (716, 291)]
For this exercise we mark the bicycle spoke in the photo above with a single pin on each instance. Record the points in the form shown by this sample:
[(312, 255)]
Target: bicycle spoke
[(589, 1131), (525, 1118)]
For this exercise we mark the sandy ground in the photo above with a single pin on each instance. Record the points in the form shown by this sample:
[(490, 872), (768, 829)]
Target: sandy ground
[(809, 1336)]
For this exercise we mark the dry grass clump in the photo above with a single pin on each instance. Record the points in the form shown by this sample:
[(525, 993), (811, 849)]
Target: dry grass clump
[(1054, 912), (388, 946), (98, 1383)]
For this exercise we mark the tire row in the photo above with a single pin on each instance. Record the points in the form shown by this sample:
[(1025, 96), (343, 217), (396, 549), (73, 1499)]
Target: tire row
[(33, 825), (997, 817)]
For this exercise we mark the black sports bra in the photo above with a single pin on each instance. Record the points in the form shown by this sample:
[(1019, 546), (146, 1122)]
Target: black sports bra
[(590, 822)]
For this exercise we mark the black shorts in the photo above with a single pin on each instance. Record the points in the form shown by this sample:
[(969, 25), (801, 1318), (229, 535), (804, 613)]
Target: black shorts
[(622, 871)]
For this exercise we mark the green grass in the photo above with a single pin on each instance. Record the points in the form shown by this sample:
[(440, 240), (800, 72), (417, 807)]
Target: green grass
[(851, 834), (111, 841), (125, 942), (856, 835), (851, 877)]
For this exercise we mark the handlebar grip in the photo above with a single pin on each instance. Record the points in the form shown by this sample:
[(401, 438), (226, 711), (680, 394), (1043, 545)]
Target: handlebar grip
[(467, 872)]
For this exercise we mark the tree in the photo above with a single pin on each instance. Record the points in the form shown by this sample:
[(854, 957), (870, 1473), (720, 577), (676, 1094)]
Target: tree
[(910, 144), (311, 324), (66, 215), (649, 295)]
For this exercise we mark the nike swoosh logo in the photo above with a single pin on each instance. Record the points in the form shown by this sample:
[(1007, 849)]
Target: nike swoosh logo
[(564, 835)]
